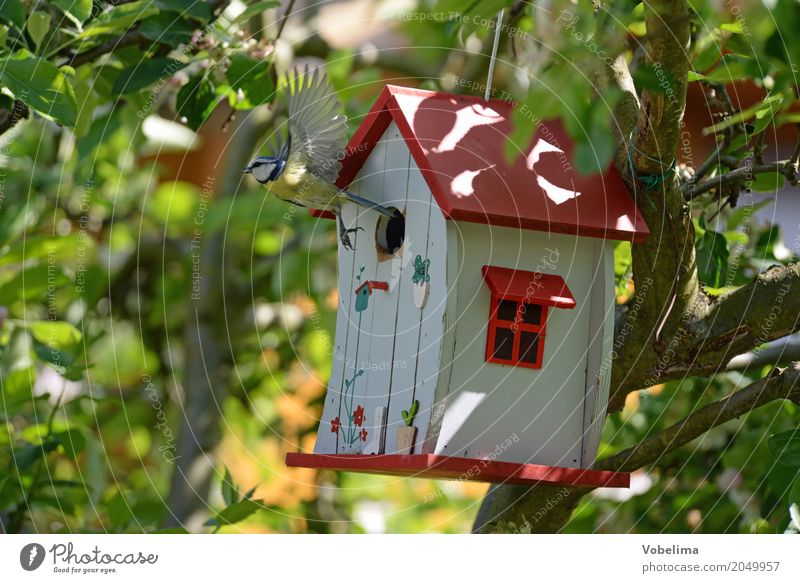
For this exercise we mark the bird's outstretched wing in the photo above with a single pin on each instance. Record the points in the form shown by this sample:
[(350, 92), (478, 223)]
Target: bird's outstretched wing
[(317, 124)]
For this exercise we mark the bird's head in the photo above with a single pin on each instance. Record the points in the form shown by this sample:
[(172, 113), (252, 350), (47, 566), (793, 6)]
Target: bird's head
[(265, 168)]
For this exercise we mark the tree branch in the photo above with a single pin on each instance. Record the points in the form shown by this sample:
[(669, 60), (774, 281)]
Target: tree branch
[(744, 174), (664, 267), (781, 384), (707, 338), (129, 38)]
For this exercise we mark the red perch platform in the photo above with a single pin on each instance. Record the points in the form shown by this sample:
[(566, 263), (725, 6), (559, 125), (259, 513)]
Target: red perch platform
[(458, 468)]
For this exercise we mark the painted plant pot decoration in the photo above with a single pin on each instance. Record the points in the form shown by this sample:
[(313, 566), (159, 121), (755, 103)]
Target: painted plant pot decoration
[(488, 350), (407, 433), (421, 280)]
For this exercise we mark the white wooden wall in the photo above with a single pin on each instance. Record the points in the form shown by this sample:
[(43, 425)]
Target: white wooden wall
[(506, 413), (397, 345), (600, 342)]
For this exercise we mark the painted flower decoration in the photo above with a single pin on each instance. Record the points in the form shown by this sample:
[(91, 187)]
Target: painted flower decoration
[(364, 435), (421, 269), (358, 415), (335, 425)]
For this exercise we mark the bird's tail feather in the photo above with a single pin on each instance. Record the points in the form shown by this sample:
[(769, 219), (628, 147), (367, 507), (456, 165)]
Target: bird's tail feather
[(361, 201)]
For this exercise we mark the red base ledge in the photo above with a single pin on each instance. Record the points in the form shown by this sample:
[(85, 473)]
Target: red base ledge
[(458, 468)]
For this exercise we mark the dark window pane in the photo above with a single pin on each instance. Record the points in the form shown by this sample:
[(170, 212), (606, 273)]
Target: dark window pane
[(529, 347), (531, 314), (507, 310), (504, 343)]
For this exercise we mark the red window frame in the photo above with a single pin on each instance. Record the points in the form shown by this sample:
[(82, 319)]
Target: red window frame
[(517, 326)]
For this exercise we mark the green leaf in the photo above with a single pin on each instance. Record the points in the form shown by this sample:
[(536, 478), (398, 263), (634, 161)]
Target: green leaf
[(230, 493), (736, 26), (72, 441), (767, 182), (712, 258), (55, 342), (745, 212), (80, 10), (730, 68), (786, 447), (25, 456), (38, 26), (254, 9), (167, 27), (41, 247), (40, 85), (252, 78), (695, 76), (119, 511), (87, 102), (197, 9), (31, 283), (144, 74), (119, 19), (14, 12), (235, 512), (17, 388), (594, 156), (765, 107), (196, 100)]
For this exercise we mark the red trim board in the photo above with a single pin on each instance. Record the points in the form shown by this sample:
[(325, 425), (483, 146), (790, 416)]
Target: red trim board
[(459, 468)]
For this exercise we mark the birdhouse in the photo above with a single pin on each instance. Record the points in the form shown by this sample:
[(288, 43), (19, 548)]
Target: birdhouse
[(475, 328)]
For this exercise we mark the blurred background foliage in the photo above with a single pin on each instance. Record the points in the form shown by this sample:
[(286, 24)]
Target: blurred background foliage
[(166, 329)]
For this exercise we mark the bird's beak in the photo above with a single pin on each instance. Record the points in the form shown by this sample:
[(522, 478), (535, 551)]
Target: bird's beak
[(246, 170)]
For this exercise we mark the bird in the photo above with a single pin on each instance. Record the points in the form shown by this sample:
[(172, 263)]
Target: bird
[(307, 162)]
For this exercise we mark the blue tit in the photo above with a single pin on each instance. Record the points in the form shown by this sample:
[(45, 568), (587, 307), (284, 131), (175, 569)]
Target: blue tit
[(306, 166)]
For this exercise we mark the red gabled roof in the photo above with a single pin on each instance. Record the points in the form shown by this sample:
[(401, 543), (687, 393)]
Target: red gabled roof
[(529, 286), (458, 142)]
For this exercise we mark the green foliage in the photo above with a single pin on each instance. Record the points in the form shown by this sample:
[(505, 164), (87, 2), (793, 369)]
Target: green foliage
[(40, 85), (78, 10), (145, 74), (408, 416), (712, 256), (239, 506), (786, 447), (252, 78)]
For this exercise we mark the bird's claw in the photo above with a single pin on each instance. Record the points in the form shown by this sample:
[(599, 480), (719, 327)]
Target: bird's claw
[(346, 238)]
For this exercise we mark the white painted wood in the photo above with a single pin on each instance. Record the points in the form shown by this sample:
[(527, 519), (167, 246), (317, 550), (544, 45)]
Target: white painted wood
[(448, 341), (380, 360), (326, 440), (418, 359), (510, 413), (377, 438), (358, 367), (601, 338), (432, 319)]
